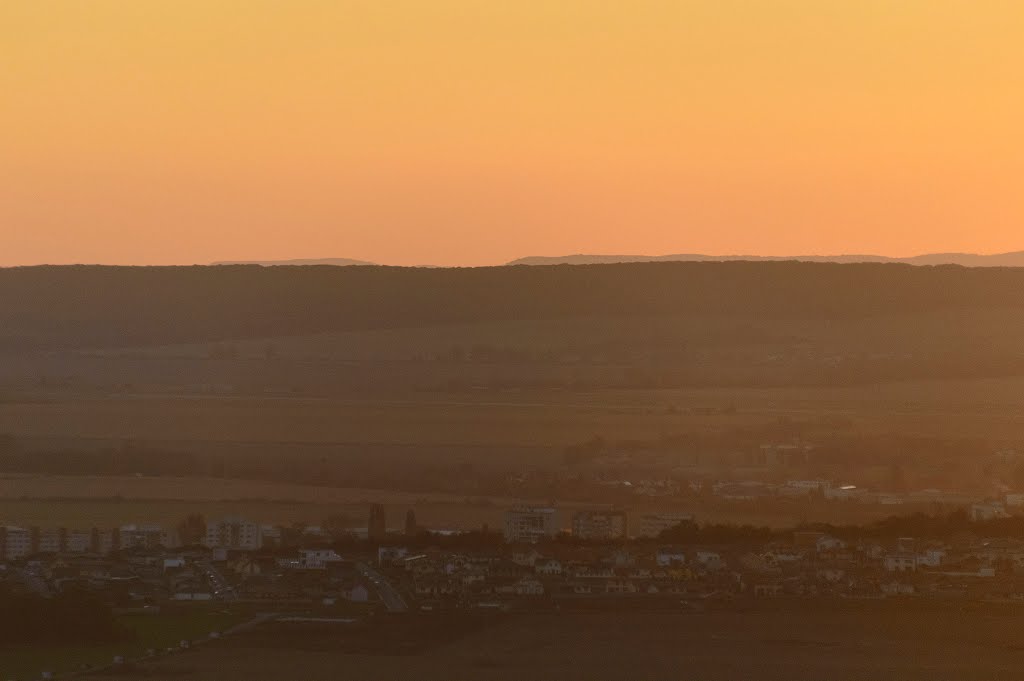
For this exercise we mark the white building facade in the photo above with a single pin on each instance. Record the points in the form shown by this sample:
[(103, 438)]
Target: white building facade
[(233, 533), (530, 524)]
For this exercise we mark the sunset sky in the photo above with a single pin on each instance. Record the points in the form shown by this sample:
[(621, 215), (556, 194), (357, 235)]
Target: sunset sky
[(476, 131)]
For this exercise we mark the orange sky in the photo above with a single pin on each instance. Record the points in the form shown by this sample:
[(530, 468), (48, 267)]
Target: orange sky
[(476, 131)]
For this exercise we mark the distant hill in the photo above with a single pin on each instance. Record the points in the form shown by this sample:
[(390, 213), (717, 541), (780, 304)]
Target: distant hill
[(337, 262), (1015, 259), (349, 330), (95, 306)]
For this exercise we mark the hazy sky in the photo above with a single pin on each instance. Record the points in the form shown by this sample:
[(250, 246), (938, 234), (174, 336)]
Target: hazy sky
[(476, 131)]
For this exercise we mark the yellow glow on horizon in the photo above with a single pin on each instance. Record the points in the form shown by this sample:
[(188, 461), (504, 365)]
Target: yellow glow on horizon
[(475, 131)]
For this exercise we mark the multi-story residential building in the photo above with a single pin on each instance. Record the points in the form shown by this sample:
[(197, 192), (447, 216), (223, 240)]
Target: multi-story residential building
[(600, 525), (1014, 499), (106, 541), (49, 541), (377, 525), (78, 542), (144, 536), (987, 511), (530, 524), (233, 533), (653, 524), (15, 542)]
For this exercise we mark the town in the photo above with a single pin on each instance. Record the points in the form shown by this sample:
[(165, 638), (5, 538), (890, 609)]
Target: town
[(647, 559)]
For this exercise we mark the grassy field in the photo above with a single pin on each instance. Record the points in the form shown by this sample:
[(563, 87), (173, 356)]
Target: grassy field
[(526, 421), (859, 642), (529, 418), (502, 429), (109, 501), (147, 631)]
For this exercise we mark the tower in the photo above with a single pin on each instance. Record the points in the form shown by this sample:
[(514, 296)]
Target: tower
[(411, 528), (376, 528)]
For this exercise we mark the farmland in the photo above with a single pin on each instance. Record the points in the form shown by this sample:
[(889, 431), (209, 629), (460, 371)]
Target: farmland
[(143, 632), (528, 423), (367, 446), (110, 501), (107, 501), (381, 382), (793, 642)]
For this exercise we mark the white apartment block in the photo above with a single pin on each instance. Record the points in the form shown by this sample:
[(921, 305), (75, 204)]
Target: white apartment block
[(51, 541), (145, 536), (233, 533), (529, 524), (15, 543)]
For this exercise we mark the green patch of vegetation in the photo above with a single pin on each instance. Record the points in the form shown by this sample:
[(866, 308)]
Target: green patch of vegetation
[(144, 632)]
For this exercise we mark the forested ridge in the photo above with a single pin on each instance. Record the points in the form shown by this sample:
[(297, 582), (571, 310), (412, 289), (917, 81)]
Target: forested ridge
[(50, 307)]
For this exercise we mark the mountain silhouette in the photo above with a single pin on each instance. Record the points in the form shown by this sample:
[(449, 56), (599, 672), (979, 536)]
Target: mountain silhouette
[(1014, 259)]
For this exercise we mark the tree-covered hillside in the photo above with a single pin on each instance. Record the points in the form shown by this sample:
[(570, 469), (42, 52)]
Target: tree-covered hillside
[(93, 306)]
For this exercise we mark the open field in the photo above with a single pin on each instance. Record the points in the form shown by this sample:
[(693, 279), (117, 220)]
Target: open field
[(87, 513), (107, 501), (447, 381), (146, 631), (526, 424), (863, 642), (489, 429)]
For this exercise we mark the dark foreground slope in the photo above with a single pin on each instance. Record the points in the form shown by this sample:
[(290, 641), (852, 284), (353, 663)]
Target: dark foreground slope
[(86, 306), (873, 642)]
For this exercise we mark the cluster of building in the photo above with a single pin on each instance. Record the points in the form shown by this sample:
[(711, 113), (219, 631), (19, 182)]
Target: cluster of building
[(227, 533), (243, 560), (530, 524), (827, 490), (738, 490), (811, 564), (752, 490), (149, 577)]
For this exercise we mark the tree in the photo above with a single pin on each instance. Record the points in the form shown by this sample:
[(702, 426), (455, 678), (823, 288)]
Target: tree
[(337, 525), (376, 527)]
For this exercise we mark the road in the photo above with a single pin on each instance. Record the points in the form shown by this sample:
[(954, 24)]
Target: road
[(389, 595), (220, 587)]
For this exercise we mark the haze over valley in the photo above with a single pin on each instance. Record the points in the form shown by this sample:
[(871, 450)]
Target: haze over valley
[(492, 341)]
